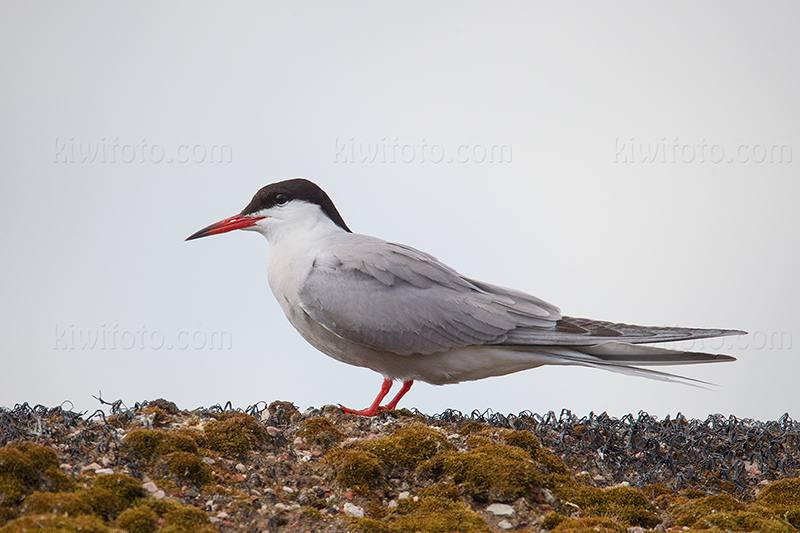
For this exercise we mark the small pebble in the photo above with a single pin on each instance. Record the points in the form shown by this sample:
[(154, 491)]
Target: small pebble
[(241, 468), (501, 509), (349, 495), (272, 431), (392, 504), (159, 494), (290, 490), (103, 471), (403, 495), (353, 510), (150, 487), (222, 515), (505, 524), (208, 461), (90, 468)]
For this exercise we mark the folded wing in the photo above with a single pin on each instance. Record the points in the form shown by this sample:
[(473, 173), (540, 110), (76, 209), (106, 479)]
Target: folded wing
[(394, 298)]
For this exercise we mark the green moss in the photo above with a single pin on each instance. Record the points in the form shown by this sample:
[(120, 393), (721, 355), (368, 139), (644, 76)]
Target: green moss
[(523, 439), (591, 524), (25, 468), (723, 513), (111, 494), (186, 520), (180, 440), (433, 513), (139, 519), (319, 431), (550, 462), (58, 524), (355, 468), (71, 503), (743, 521), (628, 505), (793, 517), (144, 444), (234, 435), (568, 490), (474, 441), (782, 494), (695, 510), (408, 446), (158, 415), (189, 468), (552, 519), (177, 519), (472, 426), (496, 472), (121, 486)]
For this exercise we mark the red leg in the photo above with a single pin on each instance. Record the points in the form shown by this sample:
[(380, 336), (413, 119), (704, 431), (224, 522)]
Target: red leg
[(372, 410), (393, 404)]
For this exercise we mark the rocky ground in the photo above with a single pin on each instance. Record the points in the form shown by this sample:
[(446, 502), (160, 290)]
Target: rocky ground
[(272, 468)]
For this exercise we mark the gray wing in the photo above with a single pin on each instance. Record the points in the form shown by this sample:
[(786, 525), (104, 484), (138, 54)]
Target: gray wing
[(395, 298)]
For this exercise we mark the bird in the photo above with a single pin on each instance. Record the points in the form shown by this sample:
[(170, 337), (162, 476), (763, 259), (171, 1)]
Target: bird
[(408, 316)]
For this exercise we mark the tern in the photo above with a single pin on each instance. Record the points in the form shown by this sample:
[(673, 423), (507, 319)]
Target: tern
[(408, 316)]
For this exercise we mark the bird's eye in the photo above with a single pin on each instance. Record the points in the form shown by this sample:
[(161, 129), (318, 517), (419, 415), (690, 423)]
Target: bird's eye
[(281, 199)]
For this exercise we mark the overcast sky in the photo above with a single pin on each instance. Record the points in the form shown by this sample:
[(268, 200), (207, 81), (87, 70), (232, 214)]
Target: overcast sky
[(627, 161)]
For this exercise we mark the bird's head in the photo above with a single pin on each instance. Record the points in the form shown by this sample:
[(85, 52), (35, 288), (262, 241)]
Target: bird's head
[(281, 208)]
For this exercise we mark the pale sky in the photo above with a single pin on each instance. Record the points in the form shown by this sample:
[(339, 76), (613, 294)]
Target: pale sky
[(627, 161)]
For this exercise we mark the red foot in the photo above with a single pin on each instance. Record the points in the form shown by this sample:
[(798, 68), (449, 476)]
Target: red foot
[(376, 406)]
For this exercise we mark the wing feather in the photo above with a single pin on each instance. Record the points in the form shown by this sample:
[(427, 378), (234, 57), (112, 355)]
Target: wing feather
[(395, 298)]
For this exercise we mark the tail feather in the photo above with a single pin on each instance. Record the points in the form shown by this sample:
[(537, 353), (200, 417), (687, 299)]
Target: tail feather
[(621, 358)]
